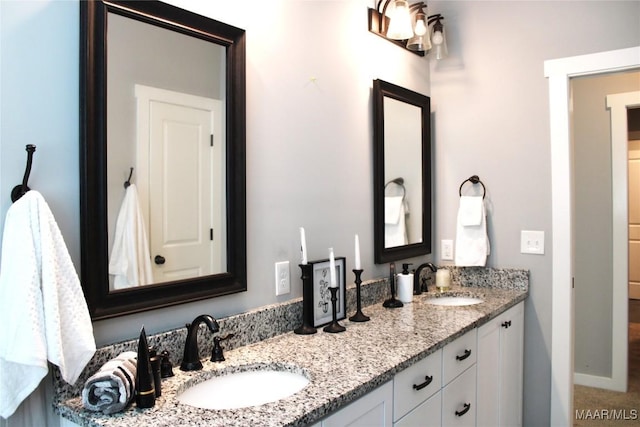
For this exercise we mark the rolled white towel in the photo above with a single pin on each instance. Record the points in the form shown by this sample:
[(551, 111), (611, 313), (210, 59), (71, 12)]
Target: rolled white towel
[(111, 388)]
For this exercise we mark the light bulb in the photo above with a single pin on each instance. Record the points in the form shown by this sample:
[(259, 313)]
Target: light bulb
[(437, 38), (420, 28)]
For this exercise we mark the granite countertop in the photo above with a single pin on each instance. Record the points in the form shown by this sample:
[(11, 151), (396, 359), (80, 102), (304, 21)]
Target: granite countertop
[(341, 367)]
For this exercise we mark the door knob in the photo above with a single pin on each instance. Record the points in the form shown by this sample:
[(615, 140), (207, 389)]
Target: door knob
[(159, 259)]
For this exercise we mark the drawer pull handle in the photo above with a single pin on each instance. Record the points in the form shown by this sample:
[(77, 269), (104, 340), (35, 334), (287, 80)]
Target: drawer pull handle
[(506, 324), (467, 406), (466, 354), (428, 380)]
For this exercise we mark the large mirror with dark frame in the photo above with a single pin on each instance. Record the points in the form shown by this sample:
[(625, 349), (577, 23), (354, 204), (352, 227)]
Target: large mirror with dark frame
[(402, 172), (162, 167)]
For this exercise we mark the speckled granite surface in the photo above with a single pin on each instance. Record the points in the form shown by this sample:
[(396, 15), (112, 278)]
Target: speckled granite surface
[(341, 367)]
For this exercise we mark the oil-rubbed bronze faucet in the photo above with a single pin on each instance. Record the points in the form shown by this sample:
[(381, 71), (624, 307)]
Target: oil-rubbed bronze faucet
[(418, 286), (191, 358)]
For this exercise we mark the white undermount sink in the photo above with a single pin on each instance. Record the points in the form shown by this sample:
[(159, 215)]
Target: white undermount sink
[(455, 301), (243, 389)]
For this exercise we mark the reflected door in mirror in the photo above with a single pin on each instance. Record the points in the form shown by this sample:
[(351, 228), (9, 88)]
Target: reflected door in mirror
[(403, 157)]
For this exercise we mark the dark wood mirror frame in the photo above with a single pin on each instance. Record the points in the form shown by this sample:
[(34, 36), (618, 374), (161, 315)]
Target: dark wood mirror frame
[(382, 89), (93, 159)]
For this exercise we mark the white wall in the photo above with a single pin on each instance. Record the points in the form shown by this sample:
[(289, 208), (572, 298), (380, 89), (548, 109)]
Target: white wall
[(310, 65)]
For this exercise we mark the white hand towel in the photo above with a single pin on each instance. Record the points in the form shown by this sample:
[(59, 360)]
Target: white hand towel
[(395, 228), (130, 261), (472, 242), (471, 210), (111, 388), (44, 315)]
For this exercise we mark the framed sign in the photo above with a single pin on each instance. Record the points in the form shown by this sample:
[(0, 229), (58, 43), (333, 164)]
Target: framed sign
[(321, 301)]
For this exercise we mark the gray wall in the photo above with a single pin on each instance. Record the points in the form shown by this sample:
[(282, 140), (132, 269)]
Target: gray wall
[(310, 65), (593, 218), (492, 119)]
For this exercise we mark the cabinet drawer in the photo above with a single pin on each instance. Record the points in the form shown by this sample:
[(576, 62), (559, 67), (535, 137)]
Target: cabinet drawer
[(459, 400), (416, 384), (427, 414), (458, 356)]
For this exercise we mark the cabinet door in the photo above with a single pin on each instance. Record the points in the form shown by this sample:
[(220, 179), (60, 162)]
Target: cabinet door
[(488, 377), (459, 400), (499, 364), (511, 357), (373, 409), (428, 414)]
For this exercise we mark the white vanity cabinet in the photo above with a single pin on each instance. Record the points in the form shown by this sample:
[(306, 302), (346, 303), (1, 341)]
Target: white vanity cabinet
[(452, 400), (459, 381), (416, 393), (499, 377), (372, 409)]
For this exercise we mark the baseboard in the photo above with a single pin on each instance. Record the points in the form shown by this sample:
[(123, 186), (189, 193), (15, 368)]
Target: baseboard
[(587, 380)]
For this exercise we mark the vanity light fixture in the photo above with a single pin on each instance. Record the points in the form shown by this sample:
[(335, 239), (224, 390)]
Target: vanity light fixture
[(408, 26)]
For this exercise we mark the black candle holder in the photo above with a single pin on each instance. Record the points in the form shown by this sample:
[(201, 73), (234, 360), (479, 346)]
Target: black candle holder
[(392, 302), (334, 327), (359, 316), (307, 301)]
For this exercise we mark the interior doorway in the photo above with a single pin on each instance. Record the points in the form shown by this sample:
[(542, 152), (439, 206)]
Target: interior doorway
[(559, 72)]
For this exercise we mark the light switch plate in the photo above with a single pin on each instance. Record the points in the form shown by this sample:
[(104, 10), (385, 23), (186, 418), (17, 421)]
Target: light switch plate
[(446, 250), (532, 242)]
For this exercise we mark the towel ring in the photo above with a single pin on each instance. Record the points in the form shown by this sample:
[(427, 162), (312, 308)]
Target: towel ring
[(474, 179), (400, 183)]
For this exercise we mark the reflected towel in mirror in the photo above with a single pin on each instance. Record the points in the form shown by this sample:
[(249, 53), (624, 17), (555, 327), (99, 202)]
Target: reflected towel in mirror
[(130, 262), (472, 242), (395, 229)]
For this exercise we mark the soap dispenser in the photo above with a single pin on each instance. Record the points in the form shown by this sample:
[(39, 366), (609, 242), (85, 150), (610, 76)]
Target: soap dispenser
[(405, 284)]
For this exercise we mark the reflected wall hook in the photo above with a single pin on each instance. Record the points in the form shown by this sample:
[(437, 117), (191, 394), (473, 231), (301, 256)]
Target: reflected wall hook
[(474, 179), (128, 181), (19, 190)]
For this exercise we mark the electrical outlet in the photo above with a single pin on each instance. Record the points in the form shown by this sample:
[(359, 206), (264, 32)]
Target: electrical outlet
[(532, 242), (446, 250), (283, 282)]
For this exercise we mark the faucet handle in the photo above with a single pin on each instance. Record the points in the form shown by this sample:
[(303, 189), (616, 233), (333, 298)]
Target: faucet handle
[(216, 354)]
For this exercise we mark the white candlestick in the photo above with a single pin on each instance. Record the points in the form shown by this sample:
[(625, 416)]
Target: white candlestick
[(303, 245), (357, 244), (332, 269)]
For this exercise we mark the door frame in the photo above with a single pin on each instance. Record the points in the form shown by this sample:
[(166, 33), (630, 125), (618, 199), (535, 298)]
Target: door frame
[(558, 72), (618, 105)]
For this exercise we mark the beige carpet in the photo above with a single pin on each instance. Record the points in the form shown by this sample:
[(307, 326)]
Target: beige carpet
[(603, 408)]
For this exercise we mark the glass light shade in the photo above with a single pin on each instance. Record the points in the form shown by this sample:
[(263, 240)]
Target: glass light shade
[(440, 42), (400, 22), (417, 44)]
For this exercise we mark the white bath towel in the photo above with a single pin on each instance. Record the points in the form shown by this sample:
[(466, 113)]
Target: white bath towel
[(130, 262), (111, 388), (472, 242), (44, 315), (395, 228)]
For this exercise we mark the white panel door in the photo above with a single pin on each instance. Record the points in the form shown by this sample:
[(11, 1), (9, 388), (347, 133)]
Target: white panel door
[(180, 192), (634, 219)]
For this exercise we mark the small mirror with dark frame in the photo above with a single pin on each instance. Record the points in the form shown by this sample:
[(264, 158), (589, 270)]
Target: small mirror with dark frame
[(402, 172), (110, 141)]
